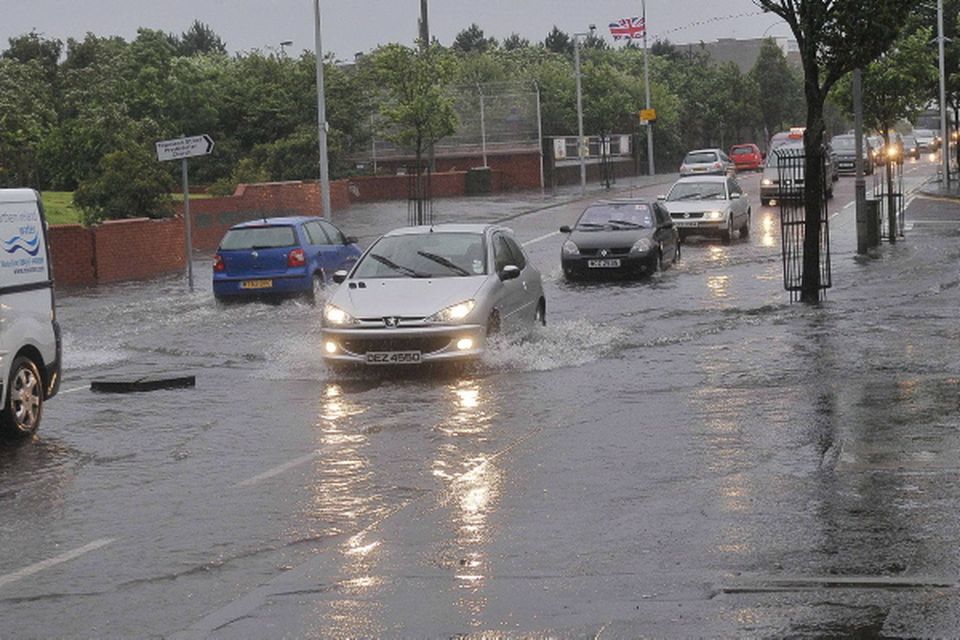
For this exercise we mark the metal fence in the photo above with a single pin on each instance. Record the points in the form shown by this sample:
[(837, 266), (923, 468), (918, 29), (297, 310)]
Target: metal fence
[(888, 191), (793, 216), (420, 197)]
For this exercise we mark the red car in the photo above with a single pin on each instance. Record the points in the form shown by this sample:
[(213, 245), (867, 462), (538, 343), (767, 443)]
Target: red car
[(746, 157)]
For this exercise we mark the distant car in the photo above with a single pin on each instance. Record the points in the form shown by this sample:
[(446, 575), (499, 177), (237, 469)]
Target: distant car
[(746, 157), (770, 188), (628, 237), (926, 140), (706, 162), (277, 257), (845, 154), (713, 205), (911, 148), (431, 294), (793, 136)]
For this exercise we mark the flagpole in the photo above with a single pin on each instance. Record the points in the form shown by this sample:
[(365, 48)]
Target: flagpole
[(646, 84)]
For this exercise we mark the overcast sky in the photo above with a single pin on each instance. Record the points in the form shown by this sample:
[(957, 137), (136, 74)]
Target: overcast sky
[(351, 26)]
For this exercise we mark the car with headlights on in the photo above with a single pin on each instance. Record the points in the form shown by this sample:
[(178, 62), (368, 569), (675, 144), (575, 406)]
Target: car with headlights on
[(772, 190), (709, 205), (431, 294), (628, 237), (280, 257), (706, 162)]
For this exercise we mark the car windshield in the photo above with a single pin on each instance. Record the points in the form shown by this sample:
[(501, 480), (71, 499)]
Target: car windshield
[(742, 151), (697, 191), (909, 140), (627, 215), (844, 142), (701, 157), (266, 237), (425, 255), (774, 155)]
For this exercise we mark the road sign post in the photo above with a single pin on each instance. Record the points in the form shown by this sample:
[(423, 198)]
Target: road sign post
[(181, 149)]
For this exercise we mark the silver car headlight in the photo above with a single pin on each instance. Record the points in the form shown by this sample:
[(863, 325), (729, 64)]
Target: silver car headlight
[(570, 248), (453, 313), (766, 182), (336, 316), (713, 215), (642, 245)]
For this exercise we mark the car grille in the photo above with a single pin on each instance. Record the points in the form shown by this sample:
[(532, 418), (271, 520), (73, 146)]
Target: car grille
[(611, 251), (423, 344), (692, 215)]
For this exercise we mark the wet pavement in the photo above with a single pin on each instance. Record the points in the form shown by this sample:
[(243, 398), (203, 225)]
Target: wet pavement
[(684, 456)]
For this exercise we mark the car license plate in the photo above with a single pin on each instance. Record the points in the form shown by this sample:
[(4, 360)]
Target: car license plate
[(686, 223), (611, 263), (393, 357), (256, 284)]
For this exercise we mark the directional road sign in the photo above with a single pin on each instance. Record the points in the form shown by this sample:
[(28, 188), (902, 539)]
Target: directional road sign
[(180, 148)]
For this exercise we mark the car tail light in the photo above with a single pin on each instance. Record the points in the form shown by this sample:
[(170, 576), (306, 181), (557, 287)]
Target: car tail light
[(218, 265), (296, 258), (716, 165)]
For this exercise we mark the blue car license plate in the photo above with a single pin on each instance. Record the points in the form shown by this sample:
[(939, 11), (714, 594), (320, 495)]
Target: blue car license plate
[(256, 284)]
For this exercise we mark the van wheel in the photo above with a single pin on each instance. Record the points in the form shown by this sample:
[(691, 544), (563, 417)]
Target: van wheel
[(24, 406)]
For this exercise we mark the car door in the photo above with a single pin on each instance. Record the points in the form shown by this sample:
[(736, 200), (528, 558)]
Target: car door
[(323, 252), (529, 282), (738, 203), (510, 293), (666, 232), (344, 253)]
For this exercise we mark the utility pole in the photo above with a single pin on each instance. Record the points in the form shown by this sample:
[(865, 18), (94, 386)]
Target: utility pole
[(424, 26), (580, 145), (646, 84), (860, 185), (321, 119), (945, 146)]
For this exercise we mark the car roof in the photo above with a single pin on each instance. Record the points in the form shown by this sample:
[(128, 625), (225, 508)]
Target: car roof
[(287, 221), (703, 179), (714, 150), (744, 144), (477, 228)]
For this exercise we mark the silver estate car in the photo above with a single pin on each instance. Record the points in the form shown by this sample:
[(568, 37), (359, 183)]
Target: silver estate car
[(707, 162), (709, 205), (431, 294)]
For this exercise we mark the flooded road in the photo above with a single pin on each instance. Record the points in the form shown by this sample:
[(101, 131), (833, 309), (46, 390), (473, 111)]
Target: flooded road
[(687, 455)]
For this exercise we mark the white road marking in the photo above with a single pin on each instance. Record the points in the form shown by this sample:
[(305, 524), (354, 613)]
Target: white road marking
[(270, 473), (543, 237), (52, 562), (73, 390)]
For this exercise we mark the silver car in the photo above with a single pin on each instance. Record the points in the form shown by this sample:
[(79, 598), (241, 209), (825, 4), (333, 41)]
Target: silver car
[(707, 162), (709, 205), (431, 294)]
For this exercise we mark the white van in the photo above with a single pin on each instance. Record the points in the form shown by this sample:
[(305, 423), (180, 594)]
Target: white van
[(30, 345)]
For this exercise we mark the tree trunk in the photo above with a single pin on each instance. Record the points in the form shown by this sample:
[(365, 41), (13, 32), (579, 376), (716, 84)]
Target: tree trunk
[(814, 190)]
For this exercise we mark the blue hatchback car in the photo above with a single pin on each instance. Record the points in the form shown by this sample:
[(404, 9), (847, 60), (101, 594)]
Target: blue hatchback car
[(279, 257)]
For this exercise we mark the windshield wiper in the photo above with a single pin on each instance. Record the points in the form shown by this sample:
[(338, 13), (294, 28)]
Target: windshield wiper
[(398, 267), (626, 223), (690, 196), (590, 225), (445, 262)]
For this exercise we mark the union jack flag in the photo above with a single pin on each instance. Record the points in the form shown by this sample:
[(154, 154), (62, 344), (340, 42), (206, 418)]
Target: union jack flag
[(628, 28)]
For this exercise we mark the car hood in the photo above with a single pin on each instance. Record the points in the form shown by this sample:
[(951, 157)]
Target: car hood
[(694, 206), (608, 239), (406, 297)]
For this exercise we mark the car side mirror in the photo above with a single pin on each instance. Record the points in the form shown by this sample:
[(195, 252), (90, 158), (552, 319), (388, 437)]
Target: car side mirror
[(350, 240), (565, 229), (340, 276), (662, 198), (509, 272)]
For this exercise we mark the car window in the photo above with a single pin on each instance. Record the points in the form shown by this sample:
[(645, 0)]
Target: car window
[(734, 187), (701, 157), (742, 151), (616, 214), (663, 216), (519, 258), (266, 237), (335, 235), (315, 233), (424, 255), (502, 255), (697, 191)]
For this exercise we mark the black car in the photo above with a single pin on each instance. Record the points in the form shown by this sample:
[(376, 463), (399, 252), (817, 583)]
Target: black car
[(620, 237)]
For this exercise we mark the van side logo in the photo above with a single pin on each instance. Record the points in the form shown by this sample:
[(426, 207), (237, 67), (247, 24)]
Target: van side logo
[(28, 241)]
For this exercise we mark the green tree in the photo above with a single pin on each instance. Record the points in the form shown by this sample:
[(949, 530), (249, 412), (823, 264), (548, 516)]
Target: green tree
[(612, 99), (514, 41), (835, 37), (778, 88), (26, 117), (558, 42), (199, 39), (473, 40), (33, 47)]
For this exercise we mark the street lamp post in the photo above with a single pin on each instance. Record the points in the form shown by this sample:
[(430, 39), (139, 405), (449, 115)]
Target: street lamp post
[(945, 145), (580, 144), (283, 45), (321, 119)]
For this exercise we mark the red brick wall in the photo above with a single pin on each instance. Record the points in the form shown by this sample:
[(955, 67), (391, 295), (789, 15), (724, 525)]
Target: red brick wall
[(518, 171), (138, 248), (72, 254)]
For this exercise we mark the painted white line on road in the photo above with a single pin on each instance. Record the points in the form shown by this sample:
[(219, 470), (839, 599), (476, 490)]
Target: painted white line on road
[(270, 473), (52, 562), (953, 222), (73, 390), (543, 237)]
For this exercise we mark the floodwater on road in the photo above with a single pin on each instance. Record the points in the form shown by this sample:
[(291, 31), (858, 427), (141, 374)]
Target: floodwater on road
[(685, 455)]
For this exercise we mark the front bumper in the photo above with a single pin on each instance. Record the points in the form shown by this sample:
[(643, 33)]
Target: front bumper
[(432, 343), (700, 225), (631, 264)]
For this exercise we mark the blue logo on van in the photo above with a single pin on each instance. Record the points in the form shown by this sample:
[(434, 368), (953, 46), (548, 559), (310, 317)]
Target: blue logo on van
[(27, 241)]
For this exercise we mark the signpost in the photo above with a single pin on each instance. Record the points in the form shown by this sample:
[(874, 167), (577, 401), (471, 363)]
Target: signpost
[(181, 149)]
